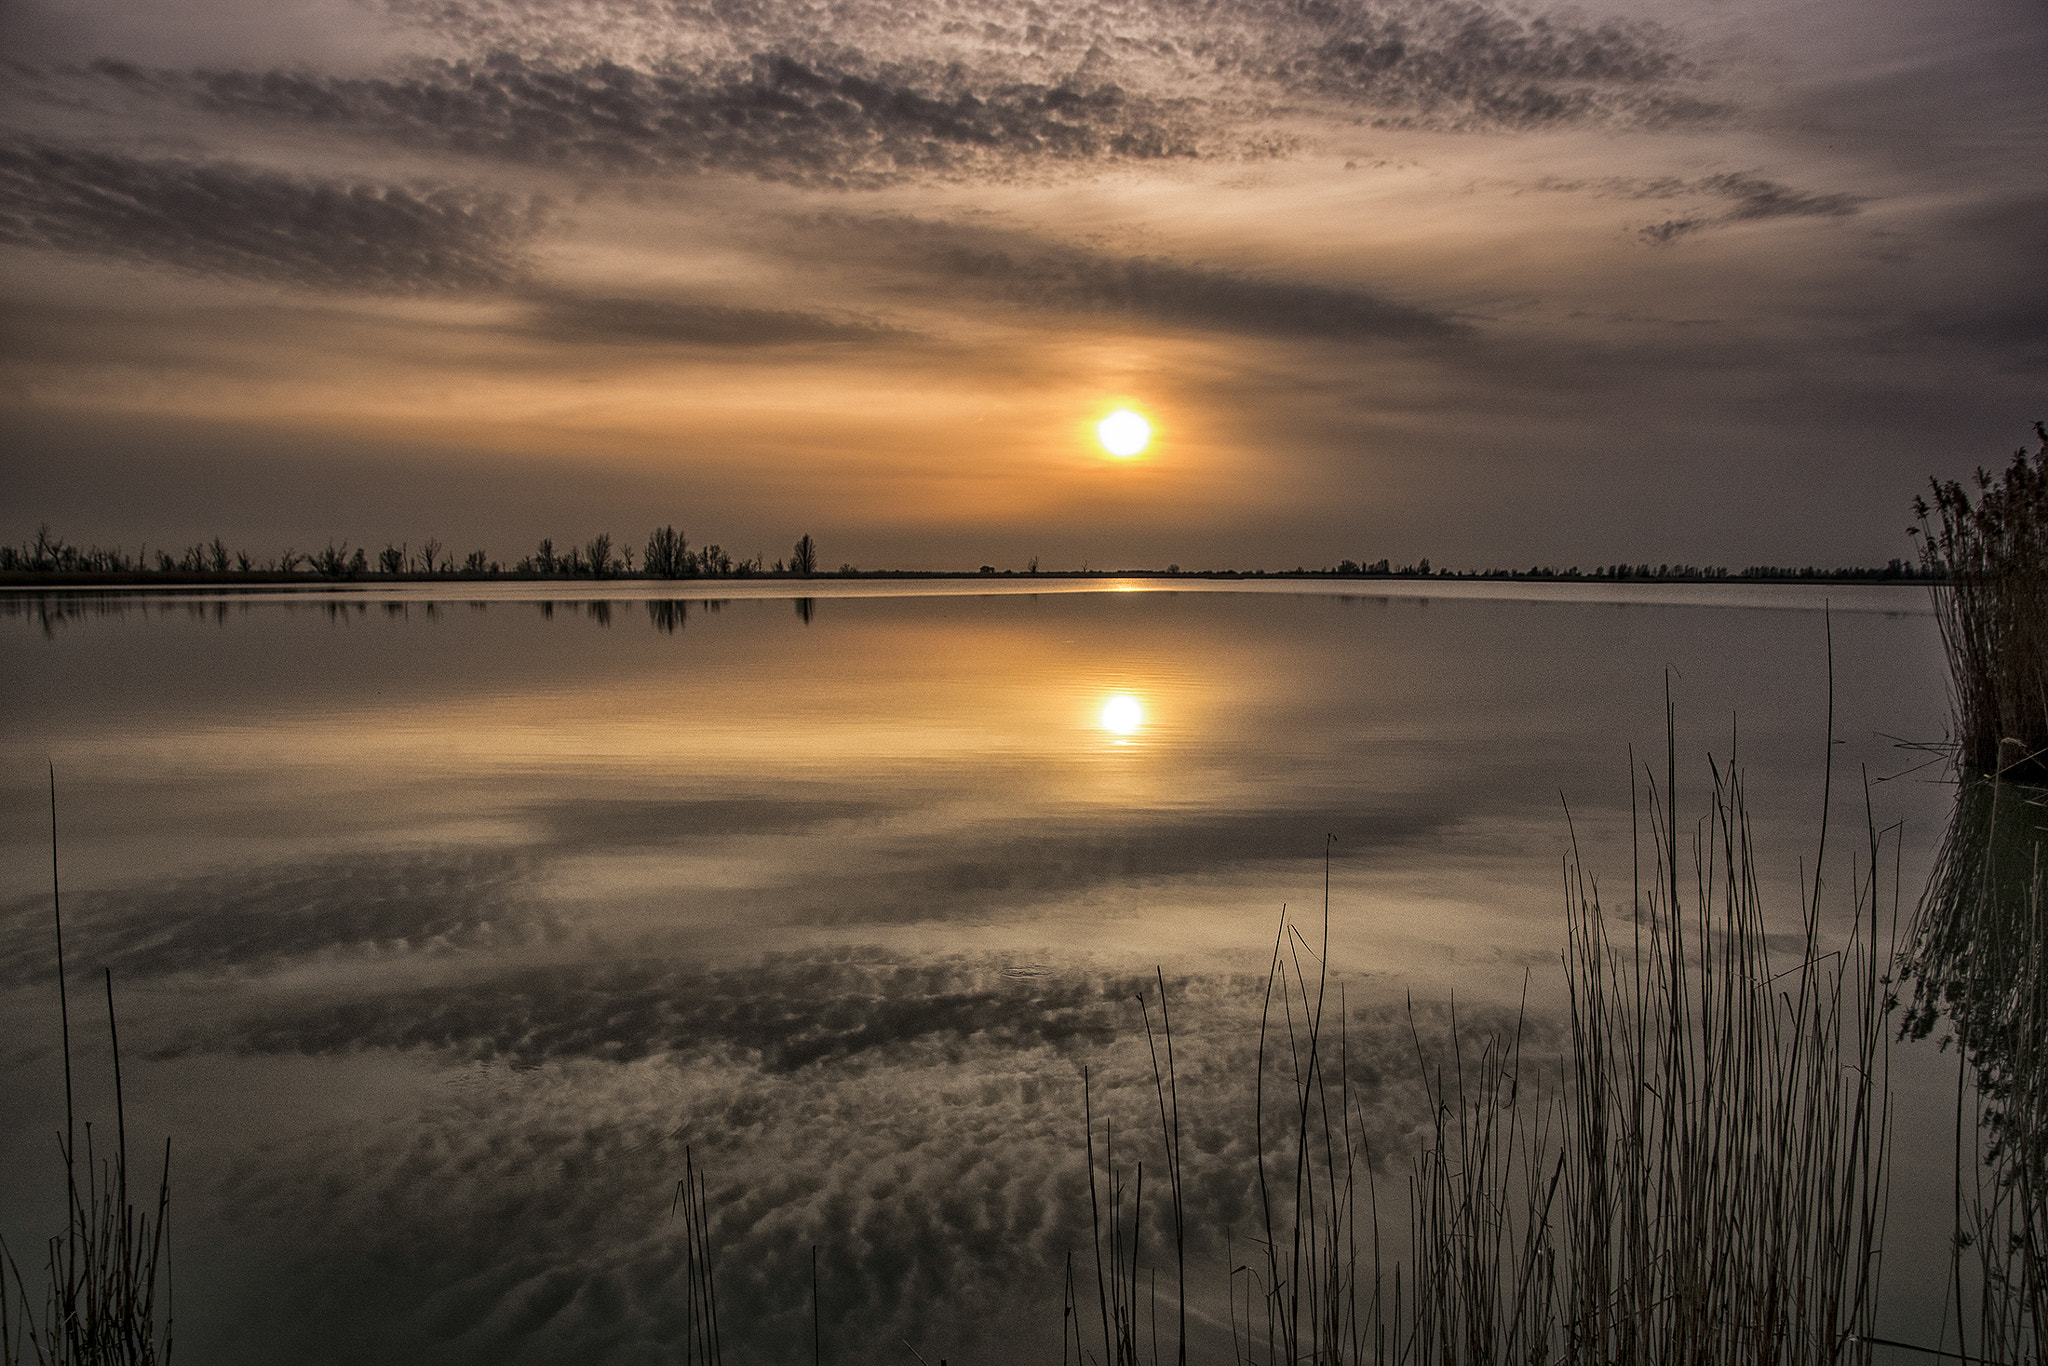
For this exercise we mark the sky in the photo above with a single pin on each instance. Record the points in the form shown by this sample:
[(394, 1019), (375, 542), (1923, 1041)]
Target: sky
[(1722, 283)]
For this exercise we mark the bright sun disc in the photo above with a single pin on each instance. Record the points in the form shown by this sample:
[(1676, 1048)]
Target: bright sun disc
[(1124, 433), (1122, 715)]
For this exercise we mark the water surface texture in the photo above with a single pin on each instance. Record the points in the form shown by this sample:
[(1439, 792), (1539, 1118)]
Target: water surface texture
[(442, 921)]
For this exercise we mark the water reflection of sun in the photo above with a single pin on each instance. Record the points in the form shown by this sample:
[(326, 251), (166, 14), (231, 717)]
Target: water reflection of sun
[(1122, 715)]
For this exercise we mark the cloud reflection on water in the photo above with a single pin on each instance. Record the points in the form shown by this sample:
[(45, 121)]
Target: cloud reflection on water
[(845, 903), (938, 1172)]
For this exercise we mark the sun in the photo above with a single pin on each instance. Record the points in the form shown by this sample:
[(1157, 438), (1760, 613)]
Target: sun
[(1122, 715), (1123, 433)]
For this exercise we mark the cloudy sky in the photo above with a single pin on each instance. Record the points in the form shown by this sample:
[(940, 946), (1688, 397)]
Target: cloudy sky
[(1721, 282)]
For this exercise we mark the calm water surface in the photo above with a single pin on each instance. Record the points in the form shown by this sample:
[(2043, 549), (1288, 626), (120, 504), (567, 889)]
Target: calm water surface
[(443, 920)]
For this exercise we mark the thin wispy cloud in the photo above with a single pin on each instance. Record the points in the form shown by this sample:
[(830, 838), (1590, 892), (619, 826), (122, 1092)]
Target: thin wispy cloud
[(1724, 198), (661, 322), (1752, 198)]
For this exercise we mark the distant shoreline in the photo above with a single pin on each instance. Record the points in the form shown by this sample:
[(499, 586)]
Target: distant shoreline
[(273, 581)]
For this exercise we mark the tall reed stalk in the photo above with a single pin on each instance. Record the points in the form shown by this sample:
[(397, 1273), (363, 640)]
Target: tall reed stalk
[(702, 1345)]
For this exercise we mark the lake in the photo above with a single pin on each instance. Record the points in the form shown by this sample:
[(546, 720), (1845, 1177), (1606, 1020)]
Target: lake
[(442, 919)]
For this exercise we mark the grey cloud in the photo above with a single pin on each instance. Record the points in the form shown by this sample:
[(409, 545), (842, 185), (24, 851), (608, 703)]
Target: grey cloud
[(1403, 62), (1752, 196), (777, 117), (476, 902), (366, 908), (530, 1220), (527, 1218), (629, 823), (663, 322), (856, 878), (1475, 66), (782, 1014), (225, 219), (1670, 230), (887, 93), (1756, 197), (1174, 293), (389, 905), (1749, 197), (1007, 864), (1194, 296)]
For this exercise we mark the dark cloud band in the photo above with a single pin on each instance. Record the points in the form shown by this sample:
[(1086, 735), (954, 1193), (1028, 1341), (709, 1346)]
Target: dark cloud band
[(785, 1013), (934, 258), (1402, 62), (227, 219), (1474, 66), (1193, 296), (776, 116)]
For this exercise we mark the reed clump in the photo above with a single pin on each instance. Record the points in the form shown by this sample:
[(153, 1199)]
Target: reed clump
[(100, 1305), (1700, 1177), (1978, 955), (1993, 551)]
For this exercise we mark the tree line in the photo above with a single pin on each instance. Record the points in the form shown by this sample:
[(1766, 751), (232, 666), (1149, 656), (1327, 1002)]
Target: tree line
[(667, 554), (1896, 569)]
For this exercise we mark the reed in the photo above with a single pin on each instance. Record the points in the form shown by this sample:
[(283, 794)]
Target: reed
[(702, 1344), (1993, 550), (99, 1305), (1979, 940), (1700, 1177), (1726, 1118)]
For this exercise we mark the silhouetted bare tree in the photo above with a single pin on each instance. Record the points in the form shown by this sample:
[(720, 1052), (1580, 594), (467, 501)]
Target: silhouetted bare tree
[(668, 554), (333, 562)]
